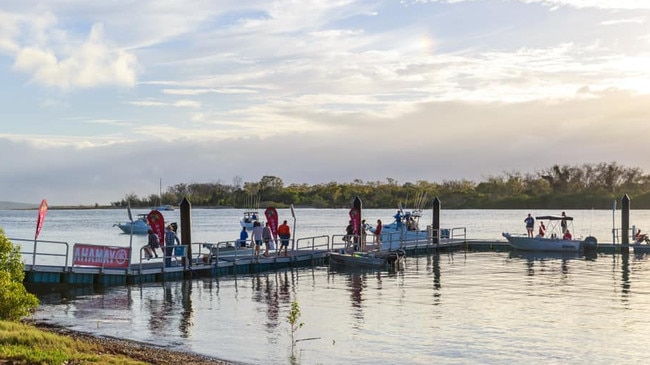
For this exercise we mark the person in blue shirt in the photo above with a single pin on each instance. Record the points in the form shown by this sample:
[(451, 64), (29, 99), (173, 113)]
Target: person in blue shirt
[(398, 220), (243, 237), (530, 224)]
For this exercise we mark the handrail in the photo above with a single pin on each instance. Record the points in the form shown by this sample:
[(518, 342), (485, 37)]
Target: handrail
[(35, 253), (214, 249), (311, 242), (141, 257)]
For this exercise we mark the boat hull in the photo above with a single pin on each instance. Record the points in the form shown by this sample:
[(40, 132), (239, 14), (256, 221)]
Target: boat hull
[(373, 259), (392, 239), (543, 244), (139, 227)]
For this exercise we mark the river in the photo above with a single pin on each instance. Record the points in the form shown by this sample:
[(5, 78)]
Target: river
[(447, 308)]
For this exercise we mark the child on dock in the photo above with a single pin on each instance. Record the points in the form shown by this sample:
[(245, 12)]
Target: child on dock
[(152, 244)]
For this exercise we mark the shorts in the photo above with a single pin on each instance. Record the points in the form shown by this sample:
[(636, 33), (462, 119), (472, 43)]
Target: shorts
[(258, 242)]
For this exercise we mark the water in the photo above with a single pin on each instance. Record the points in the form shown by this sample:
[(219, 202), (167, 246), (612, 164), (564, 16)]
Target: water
[(451, 308)]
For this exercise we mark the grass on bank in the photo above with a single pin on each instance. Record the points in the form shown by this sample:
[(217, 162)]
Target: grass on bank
[(24, 344)]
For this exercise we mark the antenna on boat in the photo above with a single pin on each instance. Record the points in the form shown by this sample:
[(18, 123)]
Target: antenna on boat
[(614, 222)]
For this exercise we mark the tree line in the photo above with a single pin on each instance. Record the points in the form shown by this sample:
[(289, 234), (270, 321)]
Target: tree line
[(585, 186)]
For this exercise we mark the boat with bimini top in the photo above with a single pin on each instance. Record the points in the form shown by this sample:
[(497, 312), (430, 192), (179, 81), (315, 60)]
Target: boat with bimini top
[(251, 214), (557, 237)]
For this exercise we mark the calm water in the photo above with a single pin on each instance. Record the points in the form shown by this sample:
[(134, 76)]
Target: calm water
[(452, 308)]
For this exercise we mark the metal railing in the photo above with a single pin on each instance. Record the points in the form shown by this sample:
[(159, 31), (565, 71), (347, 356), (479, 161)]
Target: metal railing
[(44, 252), (317, 242), (179, 252)]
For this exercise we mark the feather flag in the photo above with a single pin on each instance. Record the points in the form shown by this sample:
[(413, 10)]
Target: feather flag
[(355, 217), (157, 223), (272, 217), (42, 211)]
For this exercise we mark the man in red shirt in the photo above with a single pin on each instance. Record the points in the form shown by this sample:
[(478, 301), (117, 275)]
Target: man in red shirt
[(285, 233)]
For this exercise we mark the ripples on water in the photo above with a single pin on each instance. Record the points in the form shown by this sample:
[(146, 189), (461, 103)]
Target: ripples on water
[(478, 307)]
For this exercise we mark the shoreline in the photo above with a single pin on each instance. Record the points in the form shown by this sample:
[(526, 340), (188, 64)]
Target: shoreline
[(141, 351)]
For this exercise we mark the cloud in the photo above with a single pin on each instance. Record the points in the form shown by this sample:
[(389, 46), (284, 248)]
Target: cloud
[(437, 141), (94, 63), (312, 91)]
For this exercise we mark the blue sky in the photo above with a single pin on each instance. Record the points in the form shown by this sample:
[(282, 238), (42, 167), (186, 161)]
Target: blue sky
[(102, 99)]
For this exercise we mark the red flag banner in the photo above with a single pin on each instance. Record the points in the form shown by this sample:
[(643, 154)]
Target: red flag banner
[(355, 215), (272, 217), (42, 211), (157, 223)]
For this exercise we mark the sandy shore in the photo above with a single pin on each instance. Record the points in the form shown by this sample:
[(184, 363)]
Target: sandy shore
[(136, 350)]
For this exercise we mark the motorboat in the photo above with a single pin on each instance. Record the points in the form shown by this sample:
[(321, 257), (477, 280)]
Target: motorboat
[(251, 214), (166, 207), (367, 259), (137, 226), (554, 239), (405, 230), (249, 219)]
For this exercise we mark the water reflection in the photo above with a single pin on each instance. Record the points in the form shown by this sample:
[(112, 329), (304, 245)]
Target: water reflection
[(539, 262), (176, 301), (219, 316), (358, 281), (625, 274), (274, 291)]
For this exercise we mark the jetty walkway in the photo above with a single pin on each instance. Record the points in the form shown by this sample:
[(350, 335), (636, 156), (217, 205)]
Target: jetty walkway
[(83, 264), (62, 262)]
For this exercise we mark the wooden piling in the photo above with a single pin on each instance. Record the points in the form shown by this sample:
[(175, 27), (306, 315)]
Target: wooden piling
[(436, 219), (186, 229), (625, 221)]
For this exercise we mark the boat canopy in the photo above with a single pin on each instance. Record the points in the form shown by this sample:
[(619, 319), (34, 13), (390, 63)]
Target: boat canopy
[(554, 217)]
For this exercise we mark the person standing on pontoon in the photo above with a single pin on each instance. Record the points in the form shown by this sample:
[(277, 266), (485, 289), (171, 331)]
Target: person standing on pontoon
[(267, 237), (256, 237), (243, 237), (285, 234), (378, 234)]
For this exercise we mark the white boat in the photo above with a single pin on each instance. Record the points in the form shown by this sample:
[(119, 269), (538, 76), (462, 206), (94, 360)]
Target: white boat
[(553, 240), (138, 226), (249, 219), (404, 230), (367, 259), (251, 214)]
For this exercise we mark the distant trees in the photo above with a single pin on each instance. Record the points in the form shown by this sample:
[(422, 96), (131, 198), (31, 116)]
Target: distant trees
[(558, 186)]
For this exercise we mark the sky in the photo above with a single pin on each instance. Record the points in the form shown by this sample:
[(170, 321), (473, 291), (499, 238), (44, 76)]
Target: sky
[(100, 99)]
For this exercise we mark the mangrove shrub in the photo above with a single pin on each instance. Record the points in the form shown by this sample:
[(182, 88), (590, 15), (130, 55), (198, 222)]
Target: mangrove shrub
[(15, 301)]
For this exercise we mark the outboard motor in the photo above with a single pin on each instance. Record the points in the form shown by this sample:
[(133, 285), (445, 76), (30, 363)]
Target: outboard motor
[(590, 245)]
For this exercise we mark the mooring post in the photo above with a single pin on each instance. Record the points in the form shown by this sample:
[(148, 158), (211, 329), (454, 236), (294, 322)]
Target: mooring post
[(436, 219), (186, 229), (625, 221)]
